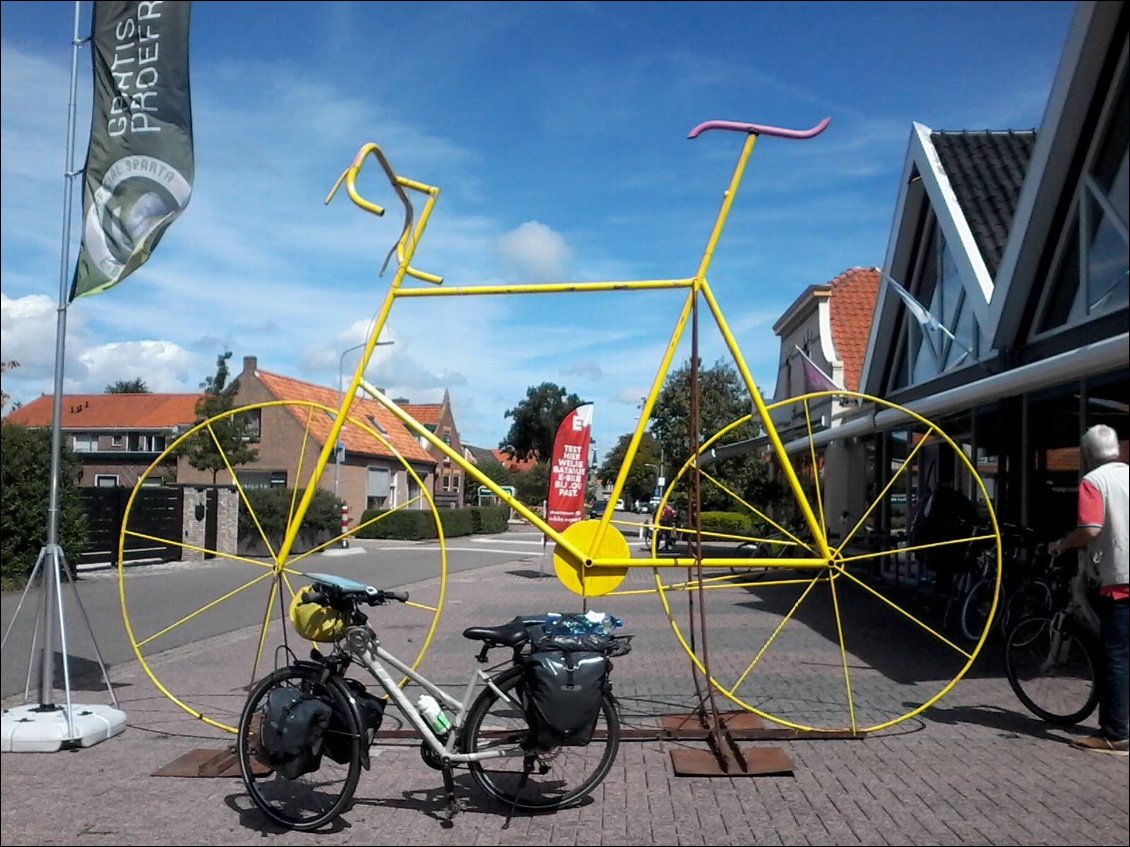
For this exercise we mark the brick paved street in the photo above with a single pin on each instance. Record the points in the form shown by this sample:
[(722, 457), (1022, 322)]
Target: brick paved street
[(973, 769)]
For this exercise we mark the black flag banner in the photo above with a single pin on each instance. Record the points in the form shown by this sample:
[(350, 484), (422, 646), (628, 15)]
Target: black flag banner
[(139, 166)]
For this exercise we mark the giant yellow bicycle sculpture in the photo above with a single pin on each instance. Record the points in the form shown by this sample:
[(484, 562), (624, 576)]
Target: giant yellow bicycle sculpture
[(822, 585)]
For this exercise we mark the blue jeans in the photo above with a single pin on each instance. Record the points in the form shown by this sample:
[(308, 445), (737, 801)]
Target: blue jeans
[(1114, 682)]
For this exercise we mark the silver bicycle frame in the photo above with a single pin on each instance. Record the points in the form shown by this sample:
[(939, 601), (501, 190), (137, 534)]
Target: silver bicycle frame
[(366, 648)]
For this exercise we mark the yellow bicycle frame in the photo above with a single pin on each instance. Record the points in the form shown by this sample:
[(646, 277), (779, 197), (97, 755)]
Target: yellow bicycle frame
[(610, 558)]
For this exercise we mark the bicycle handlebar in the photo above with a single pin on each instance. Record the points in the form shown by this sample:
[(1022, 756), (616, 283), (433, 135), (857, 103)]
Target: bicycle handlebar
[(760, 129), (398, 183), (328, 590)]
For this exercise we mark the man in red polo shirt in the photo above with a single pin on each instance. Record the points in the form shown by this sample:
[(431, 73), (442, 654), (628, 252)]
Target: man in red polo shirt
[(1104, 515)]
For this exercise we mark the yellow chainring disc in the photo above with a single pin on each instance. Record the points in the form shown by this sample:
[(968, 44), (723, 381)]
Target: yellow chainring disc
[(593, 581)]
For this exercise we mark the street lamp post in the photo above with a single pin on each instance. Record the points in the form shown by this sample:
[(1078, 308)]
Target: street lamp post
[(340, 392)]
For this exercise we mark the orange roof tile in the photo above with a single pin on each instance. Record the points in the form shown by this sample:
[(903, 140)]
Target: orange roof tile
[(852, 304), (510, 463), (111, 411), (359, 441), (425, 413)]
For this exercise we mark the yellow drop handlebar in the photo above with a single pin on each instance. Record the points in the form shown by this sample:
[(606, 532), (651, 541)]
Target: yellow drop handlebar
[(398, 183)]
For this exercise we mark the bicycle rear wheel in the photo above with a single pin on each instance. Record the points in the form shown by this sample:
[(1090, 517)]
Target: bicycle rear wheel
[(754, 550), (1052, 670), (976, 609), (314, 799), (537, 779)]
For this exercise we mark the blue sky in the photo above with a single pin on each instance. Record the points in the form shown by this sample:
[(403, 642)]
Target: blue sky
[(557, 133)]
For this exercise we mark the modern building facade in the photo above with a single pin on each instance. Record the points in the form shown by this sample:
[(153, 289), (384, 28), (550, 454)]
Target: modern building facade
[(1015, 245)]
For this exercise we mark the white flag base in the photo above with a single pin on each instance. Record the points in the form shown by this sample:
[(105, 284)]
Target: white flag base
[(38, 729)]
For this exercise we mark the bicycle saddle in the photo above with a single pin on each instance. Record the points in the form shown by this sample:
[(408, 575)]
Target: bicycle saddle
[(512, 634)]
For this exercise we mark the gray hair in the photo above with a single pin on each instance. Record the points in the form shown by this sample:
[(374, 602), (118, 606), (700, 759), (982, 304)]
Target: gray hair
[(1100, 444)]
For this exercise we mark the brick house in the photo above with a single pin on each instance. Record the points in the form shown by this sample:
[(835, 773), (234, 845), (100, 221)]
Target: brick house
[(437, 418), (381, 464), (115, 437)]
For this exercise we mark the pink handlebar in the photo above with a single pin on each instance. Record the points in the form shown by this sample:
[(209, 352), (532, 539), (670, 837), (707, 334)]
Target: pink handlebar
[(758, 129)]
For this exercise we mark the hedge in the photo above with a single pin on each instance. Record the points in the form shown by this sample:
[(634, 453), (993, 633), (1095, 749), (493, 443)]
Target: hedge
[(418, 525), (730, 523), (272, 508)]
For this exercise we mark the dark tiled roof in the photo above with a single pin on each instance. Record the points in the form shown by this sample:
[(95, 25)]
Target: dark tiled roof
[(986, 170)]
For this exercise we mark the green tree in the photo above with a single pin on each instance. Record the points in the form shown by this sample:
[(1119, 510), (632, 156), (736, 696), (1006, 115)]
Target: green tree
[(722, 400), (128, 386), (645, 469), (4, 368), (536, 420), (532, 486), (25, 479), (231, 434)]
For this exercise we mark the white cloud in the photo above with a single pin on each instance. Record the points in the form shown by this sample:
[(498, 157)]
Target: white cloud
[(164, 367), (27, 332), (535, 252)]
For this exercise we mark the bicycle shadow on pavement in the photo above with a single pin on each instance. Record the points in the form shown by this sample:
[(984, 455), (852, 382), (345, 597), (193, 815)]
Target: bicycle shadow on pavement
[(252, 819), (998, 718), (432, 801)]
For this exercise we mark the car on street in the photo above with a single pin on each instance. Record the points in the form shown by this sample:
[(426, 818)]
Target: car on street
[(598, 508), (620, 505)]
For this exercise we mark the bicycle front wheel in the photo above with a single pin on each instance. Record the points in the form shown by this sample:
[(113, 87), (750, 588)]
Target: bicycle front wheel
[(1034, 597), (534, 778), (1051, 669), (311, 800)]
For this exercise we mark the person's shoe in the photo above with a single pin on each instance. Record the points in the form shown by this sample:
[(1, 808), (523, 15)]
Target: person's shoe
[(1099, 743)]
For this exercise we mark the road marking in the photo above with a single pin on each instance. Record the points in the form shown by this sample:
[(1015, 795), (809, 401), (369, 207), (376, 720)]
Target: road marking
[(459, 550), (502, 541)]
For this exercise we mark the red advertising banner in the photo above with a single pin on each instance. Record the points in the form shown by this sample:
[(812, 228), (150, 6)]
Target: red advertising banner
[(568, 470)]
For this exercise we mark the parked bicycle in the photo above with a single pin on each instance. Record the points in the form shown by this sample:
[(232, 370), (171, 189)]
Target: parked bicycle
[(957, 575), (305, 730), (778, 543), (1052, 657), (1025, 587)]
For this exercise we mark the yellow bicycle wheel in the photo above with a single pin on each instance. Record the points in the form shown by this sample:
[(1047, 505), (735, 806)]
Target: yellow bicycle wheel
[(870, 604), (229, 587)]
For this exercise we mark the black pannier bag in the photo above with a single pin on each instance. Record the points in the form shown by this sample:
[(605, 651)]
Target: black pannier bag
[(565, 692), (371, 710), (292, 732)]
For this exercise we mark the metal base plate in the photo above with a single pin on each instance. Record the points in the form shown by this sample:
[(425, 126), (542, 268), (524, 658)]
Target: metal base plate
[(749, 761), (207, 764), (745, 726)]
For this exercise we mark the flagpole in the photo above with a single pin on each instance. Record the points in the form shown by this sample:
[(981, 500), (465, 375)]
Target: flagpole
[(49, 727), (52, 557)]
